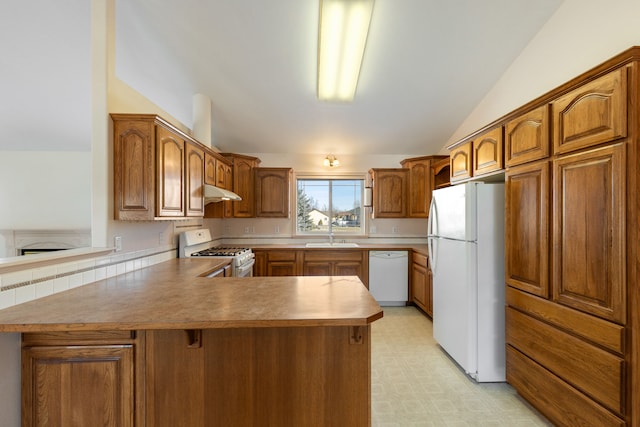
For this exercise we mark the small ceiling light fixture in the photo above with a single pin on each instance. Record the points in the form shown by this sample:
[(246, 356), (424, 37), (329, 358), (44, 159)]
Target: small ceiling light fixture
[(343, 29), (331, 161)]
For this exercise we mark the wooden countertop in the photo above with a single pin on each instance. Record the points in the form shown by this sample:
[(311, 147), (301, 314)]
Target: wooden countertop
[(171, 295)]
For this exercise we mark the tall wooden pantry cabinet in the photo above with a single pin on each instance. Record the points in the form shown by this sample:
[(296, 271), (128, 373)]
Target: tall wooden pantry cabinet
[(572, 248)]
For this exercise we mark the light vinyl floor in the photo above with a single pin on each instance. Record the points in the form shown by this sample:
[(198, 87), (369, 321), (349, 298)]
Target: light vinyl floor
[(414, 382)]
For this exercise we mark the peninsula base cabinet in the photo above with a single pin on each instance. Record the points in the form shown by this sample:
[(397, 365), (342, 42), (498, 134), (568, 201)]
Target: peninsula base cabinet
[(421, 283), (286, 376)]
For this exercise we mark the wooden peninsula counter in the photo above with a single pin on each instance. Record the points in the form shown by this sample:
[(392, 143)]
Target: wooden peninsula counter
[(162, 346)]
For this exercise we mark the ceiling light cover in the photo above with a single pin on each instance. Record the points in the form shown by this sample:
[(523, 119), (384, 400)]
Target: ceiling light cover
[(343, 29), (331, 161)]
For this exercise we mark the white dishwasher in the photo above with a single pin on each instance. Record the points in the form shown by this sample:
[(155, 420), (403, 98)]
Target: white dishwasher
[(389, 277)]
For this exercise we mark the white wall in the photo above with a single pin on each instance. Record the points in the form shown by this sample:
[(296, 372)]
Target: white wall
[(45, 190), (580, 35)]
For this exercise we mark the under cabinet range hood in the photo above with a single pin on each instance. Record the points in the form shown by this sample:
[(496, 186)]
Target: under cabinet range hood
[(214, 194)]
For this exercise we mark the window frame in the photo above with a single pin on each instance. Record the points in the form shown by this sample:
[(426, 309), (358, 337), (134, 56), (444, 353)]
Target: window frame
[(333, 177)]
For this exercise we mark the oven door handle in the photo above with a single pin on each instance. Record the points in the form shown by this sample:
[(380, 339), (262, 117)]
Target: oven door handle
[(240, 270)]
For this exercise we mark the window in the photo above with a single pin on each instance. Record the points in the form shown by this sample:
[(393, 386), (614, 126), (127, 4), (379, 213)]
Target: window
[(327, 206)]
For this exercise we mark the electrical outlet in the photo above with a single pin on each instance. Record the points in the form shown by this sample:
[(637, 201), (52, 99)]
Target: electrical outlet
[(117, 241), (276, 229), (394, 229), (160, 237), (246, 230), (373, 229)]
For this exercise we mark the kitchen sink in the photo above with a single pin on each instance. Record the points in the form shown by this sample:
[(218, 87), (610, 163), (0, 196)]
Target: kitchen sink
[(332, 245)]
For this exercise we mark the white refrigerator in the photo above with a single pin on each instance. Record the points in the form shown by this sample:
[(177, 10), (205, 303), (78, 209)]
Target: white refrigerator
[(466, 254)]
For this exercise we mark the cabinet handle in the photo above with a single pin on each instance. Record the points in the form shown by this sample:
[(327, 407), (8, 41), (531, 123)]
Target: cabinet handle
[(194, 338)]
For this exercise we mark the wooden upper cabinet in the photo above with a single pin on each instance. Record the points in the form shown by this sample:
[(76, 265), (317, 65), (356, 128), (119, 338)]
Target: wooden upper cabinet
[(194, 182), (389, 192), (421, 184), (170, 173), (527, 137), (134, 170), (592, 114), (487, 152), (272, 188), (527, 228), (224, 176), (460, 159), (210, 168), (589, 232), (243, 184), (159, 171)]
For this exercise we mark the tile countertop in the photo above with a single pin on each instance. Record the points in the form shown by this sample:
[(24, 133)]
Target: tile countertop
[(172, 295)]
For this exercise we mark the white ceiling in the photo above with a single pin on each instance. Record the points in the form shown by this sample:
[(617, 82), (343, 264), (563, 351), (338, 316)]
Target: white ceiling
[(427, 64)]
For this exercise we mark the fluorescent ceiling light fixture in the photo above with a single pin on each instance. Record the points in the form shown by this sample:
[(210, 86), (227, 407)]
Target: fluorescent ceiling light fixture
[(344, 25)]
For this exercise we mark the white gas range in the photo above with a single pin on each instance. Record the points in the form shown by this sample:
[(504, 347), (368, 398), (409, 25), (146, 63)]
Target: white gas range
[(198, 243)]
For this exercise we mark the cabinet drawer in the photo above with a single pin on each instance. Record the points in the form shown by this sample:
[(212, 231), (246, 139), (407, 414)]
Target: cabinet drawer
[(592, 114), (527, 137), (281, 255), (592, 370), (77, 337), (333, 255), (557, 400)]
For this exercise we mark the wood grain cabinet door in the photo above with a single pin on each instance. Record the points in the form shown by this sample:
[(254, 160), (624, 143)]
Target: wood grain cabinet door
[(210, 169), (419, 285), (272, 192), (527, 250), (78, 386), (593, 114), (588, 232), (170, 173), (194, 191), (390, 189), (487, 152), (243, 185), (527, 137), (134, 157), (460, 159)]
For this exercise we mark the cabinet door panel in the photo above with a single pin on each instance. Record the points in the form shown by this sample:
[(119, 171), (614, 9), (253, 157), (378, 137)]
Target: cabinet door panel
[(588, 229), (347, 269), (527, 137), (419, 286), (243, 182), (487, 152), (527, 228), (460, 159), (592, 114), (272, 192), (194, 191), (210, 169), (170, 173), (317, 268), (83, 386), (390, 191), (134, 182)]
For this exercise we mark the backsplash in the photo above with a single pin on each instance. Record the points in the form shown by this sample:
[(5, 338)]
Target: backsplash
[(26, 285)]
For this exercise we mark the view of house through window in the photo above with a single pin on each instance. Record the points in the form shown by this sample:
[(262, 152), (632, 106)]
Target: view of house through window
[(327, 206)]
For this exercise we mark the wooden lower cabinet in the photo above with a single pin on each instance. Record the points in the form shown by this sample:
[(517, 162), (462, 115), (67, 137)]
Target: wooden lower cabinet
[(315, 262), (421, 283), (337, 263), (291, 376), (86, 379), (287, 376)]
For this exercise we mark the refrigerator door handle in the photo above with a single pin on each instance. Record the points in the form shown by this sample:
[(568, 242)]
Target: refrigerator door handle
[(432, 220), (430, 233)]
